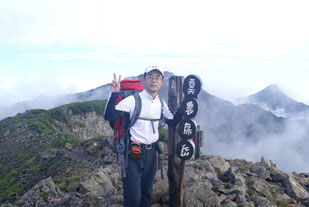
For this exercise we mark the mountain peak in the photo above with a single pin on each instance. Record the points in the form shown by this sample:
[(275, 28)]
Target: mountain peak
[(273, 99), (273, 88), (270, 92)]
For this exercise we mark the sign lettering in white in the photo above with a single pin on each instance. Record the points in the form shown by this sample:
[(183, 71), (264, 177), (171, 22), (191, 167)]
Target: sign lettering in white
[(189, 108), (187, 129), (184, 150)]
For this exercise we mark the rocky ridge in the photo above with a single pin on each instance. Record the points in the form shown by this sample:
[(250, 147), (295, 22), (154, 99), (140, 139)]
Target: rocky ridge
[(209, 181), (30, 143)]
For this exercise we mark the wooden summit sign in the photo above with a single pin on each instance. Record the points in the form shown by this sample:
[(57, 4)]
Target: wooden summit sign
[(187, 129), (192, 86), (187, 126), (189, 107), (181, 139), (185, 149)]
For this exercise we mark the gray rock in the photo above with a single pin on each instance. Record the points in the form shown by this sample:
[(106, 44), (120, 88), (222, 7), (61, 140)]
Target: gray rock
[(295, 190), (200, 194), (241, 198), (42, 194), (45, 155), (261, 187), (265, 163), (160, 189), (219, 164), (277, 175), (68, 146), (109, 159), (283, 197), (107, 151), (261, 202), (237, 184), (116, 180), (260, 171), (246, 204), (229, 204), (98, 183), (8, 205), (208, 198)]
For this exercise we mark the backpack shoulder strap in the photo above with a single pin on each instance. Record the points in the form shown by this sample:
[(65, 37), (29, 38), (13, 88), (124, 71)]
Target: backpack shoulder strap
[(162, 107), (137, 109)]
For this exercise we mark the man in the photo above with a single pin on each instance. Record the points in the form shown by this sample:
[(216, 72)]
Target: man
[(140, 171)]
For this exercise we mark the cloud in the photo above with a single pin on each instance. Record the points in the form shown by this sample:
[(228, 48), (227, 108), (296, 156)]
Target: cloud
[(288, 150), (158, 24)]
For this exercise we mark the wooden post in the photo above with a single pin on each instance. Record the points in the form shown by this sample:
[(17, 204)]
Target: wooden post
[(197, 142), (202, 138), (180, 195), (175, 98)]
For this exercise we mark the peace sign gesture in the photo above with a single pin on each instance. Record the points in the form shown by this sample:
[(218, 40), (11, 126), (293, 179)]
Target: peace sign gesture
[(115, 85)]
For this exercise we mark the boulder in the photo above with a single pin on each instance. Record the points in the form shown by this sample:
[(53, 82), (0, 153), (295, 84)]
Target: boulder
[(295, 190), (277, 175), (160, 188), (219, 164), (237, 184), (229, 204), (98, 183), (246, 204), (265, 163), (260, 171), (208, 198), (42, 194), (200, 194), (261, 187), (8, 205), (261, 202)]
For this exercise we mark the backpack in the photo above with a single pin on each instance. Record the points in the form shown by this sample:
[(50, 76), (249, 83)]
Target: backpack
[(122, 125)]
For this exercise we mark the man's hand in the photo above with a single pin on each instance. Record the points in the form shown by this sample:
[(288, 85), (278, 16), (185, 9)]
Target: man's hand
[(115, 85)]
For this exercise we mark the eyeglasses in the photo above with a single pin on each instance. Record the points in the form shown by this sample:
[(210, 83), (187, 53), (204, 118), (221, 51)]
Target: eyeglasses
[(153, 77)]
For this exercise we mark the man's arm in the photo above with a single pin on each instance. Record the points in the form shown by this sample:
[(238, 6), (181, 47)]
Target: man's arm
[(176, 118), (110, 112), (171, 120)]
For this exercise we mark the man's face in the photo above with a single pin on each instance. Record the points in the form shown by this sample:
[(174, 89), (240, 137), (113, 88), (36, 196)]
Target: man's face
[(153, 81)]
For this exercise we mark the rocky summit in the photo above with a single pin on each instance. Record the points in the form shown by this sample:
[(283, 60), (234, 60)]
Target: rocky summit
[(209, 181), (64, 157)]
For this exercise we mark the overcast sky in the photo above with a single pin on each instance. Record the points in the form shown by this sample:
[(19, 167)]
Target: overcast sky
[(236, 47)]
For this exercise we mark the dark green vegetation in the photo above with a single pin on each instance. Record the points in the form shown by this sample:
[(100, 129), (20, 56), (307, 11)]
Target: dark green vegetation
[(33, 147), (86, 107), (30, 144)]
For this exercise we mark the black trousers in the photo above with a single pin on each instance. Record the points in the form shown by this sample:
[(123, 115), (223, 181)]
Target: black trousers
[(137, 186)]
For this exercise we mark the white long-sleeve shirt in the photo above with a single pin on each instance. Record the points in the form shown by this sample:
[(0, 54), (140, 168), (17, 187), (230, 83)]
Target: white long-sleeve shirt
[(142, 131)]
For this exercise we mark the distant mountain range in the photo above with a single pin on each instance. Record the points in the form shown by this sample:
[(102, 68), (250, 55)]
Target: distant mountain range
[(230, 130), (258, 115), (35, 144), (46, 102), (274, 100)]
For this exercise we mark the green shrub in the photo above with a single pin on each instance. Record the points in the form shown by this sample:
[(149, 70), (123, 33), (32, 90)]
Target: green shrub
[(86, 107), (59, 114), (9, 185), (29, 162), (64, 137), (44, 196), (251, 181), (41, 165), (40, 121), (163, 133)]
